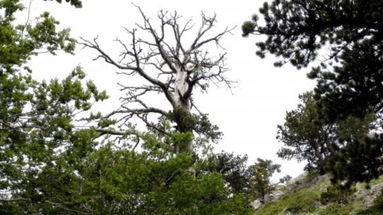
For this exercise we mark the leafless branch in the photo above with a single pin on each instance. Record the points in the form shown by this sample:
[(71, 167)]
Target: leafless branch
[(168, 66)]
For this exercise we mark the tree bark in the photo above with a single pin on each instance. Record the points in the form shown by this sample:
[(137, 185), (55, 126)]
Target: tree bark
[(169, 67)]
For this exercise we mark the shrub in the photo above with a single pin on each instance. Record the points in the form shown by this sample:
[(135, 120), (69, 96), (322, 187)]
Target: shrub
[(337, 193)]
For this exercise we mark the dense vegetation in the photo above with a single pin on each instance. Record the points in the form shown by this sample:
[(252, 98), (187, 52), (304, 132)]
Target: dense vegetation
[(337, 127), (59, 156)]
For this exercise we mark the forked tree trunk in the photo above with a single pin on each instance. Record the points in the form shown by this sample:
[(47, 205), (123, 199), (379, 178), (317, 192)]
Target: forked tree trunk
[(169, 67)]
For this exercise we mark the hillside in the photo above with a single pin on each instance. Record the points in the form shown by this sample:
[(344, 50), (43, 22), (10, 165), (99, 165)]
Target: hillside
[(304, 196)]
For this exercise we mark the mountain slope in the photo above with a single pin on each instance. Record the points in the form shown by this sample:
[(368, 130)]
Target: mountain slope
[(314, 195)]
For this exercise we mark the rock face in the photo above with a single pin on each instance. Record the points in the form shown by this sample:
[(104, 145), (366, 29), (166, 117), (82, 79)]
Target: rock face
[(273, 196), (305, 180)]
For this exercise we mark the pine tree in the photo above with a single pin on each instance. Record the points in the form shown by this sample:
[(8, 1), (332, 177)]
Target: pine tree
[(349, 86)]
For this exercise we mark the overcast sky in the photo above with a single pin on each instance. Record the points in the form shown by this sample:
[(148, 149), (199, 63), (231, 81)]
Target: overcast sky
[(248, 115)]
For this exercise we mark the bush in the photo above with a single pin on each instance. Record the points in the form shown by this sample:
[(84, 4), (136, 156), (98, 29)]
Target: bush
[(337, 193), (302, 202)]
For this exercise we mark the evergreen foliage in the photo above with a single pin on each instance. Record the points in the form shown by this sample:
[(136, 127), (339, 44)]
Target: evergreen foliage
[(337, 193), (347, 101), (260, 178), (304, 135), (233, 169)]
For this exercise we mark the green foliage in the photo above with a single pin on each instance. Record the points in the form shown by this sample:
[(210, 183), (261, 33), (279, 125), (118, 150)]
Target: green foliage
[(259, 178), (378, 203), (184, 120), (124, 182), (44, 34), (297, 29), (308, 199), (349, 83), (75, 3), (189, 122), (337, 193), (232, 168), (247, 28), (198, 128), (360, 76), (56, 159), (305, 135), (304, 204), (358, 157), (337, 148), (39, 139)]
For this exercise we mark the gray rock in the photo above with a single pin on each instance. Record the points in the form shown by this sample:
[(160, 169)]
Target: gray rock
[(256, 204)]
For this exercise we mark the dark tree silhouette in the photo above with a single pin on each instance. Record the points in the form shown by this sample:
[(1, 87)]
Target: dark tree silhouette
[(349, 34)]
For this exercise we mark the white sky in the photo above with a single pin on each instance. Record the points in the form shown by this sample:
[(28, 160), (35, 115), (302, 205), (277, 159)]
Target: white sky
[(248, 116)]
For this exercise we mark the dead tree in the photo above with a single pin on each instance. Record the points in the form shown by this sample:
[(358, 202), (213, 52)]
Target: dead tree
[(172, 60)]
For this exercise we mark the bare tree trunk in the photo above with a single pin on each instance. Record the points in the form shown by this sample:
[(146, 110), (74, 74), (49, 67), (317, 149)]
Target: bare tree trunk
[(181, 88), (168, 66)]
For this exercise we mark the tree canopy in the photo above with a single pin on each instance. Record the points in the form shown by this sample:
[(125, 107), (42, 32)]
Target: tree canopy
[(346, 37), (58, 156)]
